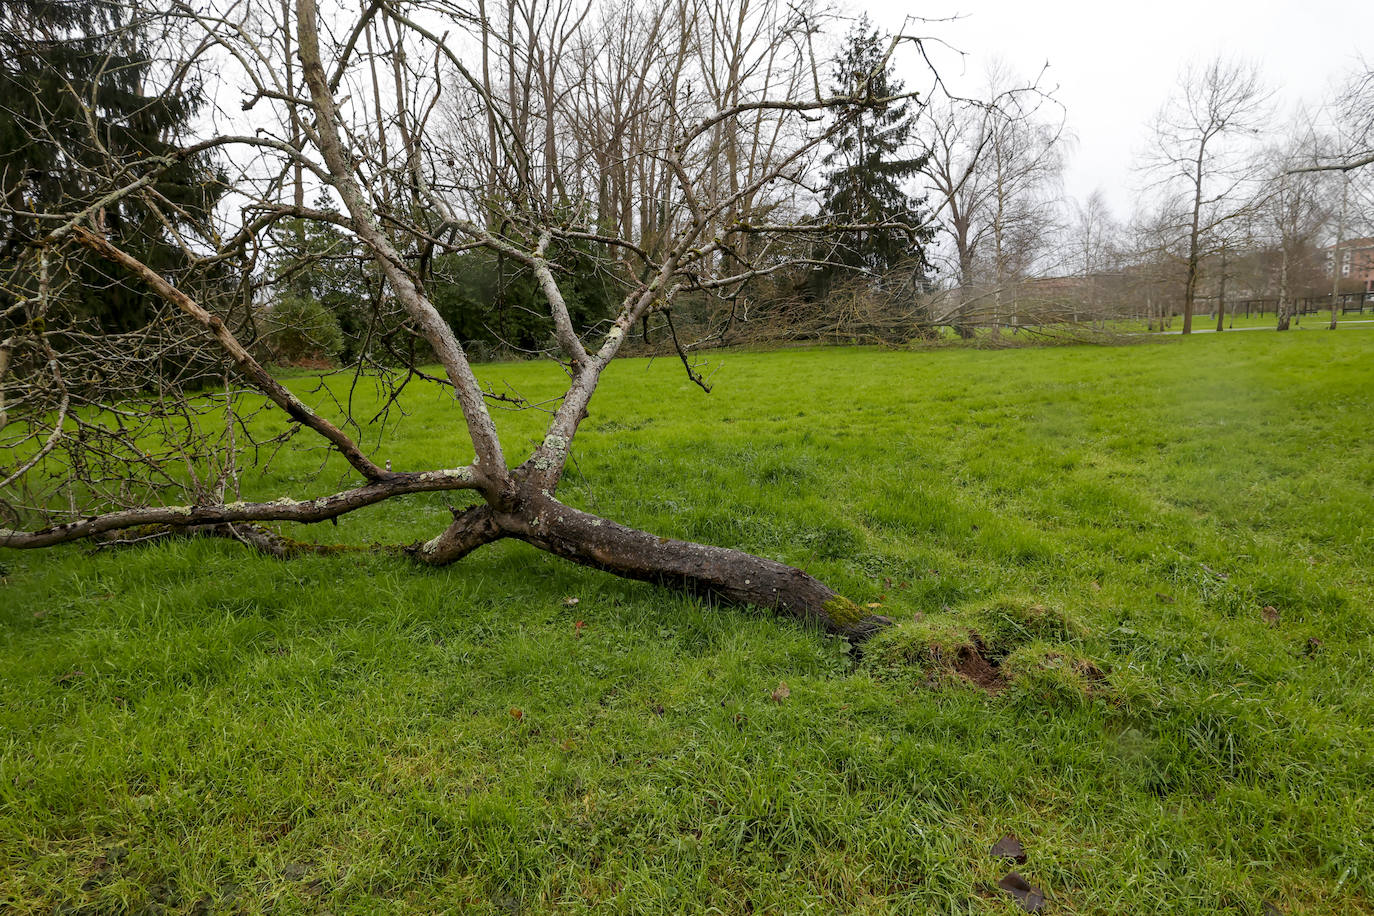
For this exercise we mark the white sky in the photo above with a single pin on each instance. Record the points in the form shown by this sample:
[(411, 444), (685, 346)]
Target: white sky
[(1114, 62)]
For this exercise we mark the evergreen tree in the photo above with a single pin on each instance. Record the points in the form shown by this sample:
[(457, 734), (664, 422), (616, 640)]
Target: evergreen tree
[(76, 120), (868, 168)]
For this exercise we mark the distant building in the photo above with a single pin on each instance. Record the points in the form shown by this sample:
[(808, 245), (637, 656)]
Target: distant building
[(1357, 262)]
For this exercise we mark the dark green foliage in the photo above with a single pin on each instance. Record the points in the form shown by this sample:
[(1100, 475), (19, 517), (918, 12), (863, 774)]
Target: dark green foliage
[(323, 264), (870, 165), (77, 120), (300, 329), (490, 299), (493, 304)]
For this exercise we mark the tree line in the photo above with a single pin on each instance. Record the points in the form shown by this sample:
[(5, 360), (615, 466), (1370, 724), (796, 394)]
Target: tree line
[(973, 230)]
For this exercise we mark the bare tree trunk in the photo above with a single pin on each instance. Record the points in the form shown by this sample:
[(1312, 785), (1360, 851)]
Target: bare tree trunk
[(1284, 315), (1221, 294), (1336, 252), (1190, 286)]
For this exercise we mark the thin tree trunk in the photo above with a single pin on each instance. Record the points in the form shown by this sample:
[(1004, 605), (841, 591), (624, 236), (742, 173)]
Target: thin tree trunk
[(1281, 309), (1190, 287), (1221, 294), (1336, 252)]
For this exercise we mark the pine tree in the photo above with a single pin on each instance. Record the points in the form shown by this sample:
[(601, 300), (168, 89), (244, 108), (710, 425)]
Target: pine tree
[(865, 184), (74, 108)]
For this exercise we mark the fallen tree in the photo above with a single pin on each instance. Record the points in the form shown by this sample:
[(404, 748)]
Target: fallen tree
[(671, 147)]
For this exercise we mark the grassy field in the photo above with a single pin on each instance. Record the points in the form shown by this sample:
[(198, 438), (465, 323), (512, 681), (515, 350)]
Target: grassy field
[(1204, 322), (185, 727)]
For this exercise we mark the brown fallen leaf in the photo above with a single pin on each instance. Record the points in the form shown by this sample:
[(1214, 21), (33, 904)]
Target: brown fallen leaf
[(578, 628), (1031, 898), (781, 693), (1009, 847), (517, 713), (1270, 614)]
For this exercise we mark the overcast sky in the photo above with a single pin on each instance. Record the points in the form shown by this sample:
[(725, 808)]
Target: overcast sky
[(1114, 63)]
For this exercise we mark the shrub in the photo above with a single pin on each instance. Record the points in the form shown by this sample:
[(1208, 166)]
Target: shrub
[(298, 329)]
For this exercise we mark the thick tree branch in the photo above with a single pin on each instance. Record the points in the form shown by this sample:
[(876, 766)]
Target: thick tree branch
[(284, 509)]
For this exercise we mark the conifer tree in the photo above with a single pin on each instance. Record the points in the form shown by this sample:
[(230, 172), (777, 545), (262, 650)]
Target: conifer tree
[(77, 117), (869, 165)]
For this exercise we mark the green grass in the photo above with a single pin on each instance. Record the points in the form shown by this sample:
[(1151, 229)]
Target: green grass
[(187, 727), (1204, 322)]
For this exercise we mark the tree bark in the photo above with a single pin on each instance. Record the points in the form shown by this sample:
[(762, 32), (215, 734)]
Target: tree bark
[(730, 576), (1284, 315)]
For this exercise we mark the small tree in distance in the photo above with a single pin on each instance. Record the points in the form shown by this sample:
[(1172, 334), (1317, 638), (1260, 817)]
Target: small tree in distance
[(1196, 163)]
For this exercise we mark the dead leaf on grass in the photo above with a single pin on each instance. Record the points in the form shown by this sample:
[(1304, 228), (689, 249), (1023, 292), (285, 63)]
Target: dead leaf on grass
[(1009, 847), (1031, 898)]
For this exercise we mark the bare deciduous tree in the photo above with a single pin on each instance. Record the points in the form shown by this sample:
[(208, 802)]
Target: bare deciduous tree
[(1195, 161), (993, 170), (1092, 232), (1295, 210)]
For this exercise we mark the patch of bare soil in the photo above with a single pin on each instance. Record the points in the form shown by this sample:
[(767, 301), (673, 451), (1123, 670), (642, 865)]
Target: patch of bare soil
[(972, 664)]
